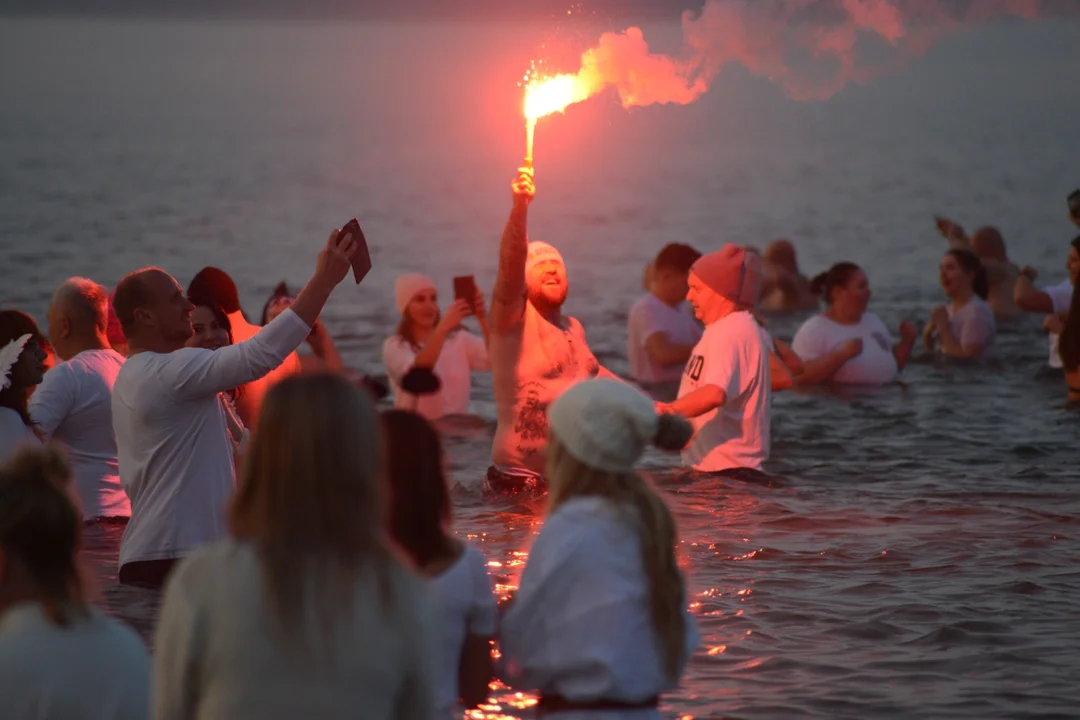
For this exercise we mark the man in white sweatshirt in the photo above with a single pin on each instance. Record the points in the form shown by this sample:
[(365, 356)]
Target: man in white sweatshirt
[(176, 459)]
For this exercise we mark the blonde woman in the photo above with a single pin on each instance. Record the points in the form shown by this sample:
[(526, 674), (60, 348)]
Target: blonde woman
[(600, 626), (305, 611), (426, 338)]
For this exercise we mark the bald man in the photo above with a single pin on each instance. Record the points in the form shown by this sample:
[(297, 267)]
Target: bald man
[(536, 351), (176, 456), (73, 403)]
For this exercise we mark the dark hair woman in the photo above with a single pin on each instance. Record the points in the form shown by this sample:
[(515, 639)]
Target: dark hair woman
[(420, 516), (846, 343), (965, 328), (23, 358)]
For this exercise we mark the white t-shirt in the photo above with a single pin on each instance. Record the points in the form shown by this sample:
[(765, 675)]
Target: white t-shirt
[(650, 315), (1061, 297), (93, 669), (13, 434), (974, 324), (580, 624), (876, 365), (73, 405), (467, 606), (461, 354), (732, 355), (175, 451)]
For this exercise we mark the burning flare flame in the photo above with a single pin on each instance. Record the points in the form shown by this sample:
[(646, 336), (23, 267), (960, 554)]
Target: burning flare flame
[(553, 95)]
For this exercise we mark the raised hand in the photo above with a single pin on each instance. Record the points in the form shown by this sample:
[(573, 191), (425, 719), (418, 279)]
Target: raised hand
[(336, 258)]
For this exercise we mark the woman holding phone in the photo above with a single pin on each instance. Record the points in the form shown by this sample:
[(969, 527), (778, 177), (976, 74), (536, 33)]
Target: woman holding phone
[(426, 338)]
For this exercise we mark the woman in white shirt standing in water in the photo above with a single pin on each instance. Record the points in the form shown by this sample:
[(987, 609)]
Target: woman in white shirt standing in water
[(965, 328), (419, 519), (426, 339), (600, 625), (846, 344)]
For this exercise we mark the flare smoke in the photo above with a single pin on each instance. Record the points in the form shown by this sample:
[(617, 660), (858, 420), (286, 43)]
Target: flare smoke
[(790, 42)]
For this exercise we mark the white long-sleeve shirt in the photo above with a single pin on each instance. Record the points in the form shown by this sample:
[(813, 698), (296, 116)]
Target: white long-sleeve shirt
[(220, 652), (73, 405), (176, 457)]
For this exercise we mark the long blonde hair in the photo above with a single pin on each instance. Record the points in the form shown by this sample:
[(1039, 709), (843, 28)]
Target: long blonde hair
[(641, 506), (310, 499)]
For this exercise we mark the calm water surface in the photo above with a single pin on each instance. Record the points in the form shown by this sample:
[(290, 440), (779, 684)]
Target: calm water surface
[(920, 558)]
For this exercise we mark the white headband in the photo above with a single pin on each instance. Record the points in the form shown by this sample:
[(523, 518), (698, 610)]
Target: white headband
[(9, 355)]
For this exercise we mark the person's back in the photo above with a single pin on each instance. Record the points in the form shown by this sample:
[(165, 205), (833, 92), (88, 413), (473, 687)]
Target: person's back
[(466, 607), (60, 657), (224, 641), (73, 405), (93, 669)]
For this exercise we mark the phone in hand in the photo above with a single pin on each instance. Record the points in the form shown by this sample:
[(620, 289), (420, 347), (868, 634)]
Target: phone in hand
[(465, 289), (361, 262), (1074, 204)]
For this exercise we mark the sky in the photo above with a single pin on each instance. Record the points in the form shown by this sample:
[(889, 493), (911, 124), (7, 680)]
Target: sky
[(359, 9)]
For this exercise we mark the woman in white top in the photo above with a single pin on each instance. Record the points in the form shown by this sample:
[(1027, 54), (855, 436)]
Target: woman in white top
[(846, 344), (426, 340), (600, 626), (965, 328), (22, 367), (305, 611), (60, 658), (212, 330), (420, 508)]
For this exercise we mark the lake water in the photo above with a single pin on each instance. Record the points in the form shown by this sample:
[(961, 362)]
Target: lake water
[(922, 558)]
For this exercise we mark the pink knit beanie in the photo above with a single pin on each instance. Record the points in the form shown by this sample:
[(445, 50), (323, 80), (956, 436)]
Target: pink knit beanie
[(732, 273)]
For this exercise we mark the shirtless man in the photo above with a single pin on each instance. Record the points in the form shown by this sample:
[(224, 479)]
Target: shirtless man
[(784, 289), (989, 245), (536, 352)]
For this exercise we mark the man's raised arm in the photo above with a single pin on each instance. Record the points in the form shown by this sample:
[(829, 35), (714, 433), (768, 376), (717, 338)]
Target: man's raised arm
[(508, 298)]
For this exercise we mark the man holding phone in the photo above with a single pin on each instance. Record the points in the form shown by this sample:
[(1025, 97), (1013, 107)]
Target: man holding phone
[(536, 351)]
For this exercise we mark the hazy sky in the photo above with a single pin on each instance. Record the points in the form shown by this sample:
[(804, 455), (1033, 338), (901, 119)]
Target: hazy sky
[(471, 9)]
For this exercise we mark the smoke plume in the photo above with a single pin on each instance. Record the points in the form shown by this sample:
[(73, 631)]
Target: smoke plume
[(812, 48)]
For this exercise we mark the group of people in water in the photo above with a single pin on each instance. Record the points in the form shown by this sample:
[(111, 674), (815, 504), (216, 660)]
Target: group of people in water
[(304, 540)]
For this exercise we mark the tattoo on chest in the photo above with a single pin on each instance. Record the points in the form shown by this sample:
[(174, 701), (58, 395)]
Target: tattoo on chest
[(531, 425)]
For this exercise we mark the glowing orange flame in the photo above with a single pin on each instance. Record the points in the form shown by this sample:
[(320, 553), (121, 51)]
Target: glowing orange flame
[(553, 95)]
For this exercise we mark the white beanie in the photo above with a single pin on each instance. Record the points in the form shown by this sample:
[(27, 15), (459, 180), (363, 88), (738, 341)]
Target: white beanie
[(605, 424), (407, 286), (541, 252)]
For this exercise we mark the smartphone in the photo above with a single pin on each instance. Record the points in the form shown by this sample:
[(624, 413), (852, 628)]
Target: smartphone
[(1074, 204), (361, 262), (465, 289)]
